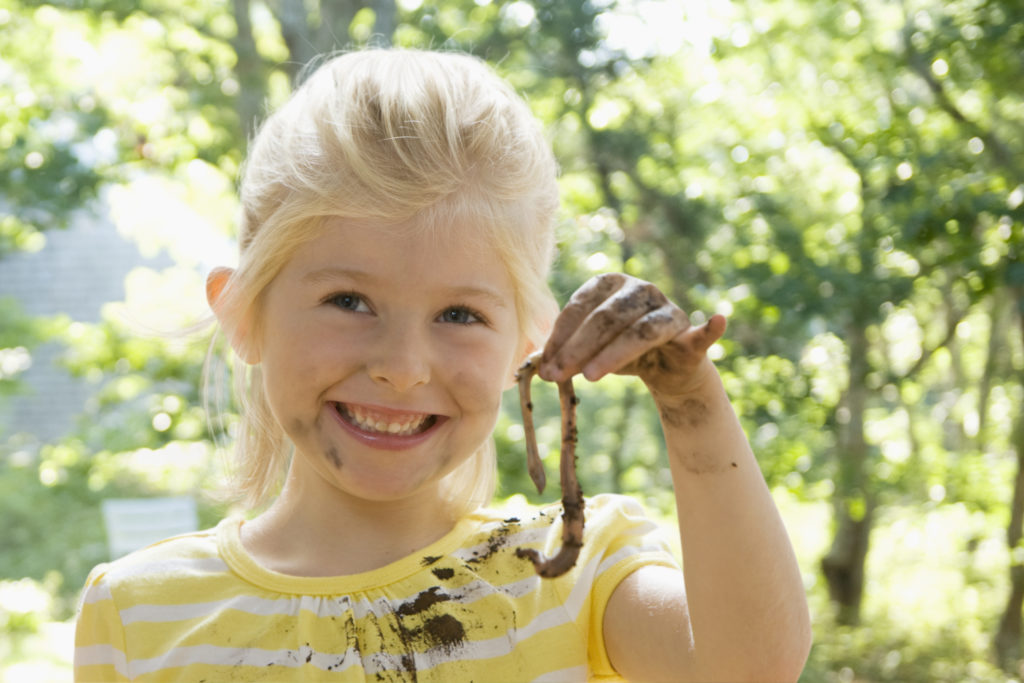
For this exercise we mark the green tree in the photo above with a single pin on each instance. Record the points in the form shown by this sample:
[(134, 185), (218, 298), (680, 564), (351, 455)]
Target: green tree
[(919, 249), (842, 179)]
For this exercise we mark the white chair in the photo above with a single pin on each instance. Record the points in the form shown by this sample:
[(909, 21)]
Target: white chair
[(134, 523)]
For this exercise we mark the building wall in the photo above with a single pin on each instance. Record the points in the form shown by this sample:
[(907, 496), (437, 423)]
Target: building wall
[(76, 273)]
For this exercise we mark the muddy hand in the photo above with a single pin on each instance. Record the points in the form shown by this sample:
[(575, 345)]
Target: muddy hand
[(619, 324)]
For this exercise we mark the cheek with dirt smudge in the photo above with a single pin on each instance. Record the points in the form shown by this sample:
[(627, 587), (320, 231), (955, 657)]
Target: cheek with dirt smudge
[(329, 449), (331, 453), (299, 430)]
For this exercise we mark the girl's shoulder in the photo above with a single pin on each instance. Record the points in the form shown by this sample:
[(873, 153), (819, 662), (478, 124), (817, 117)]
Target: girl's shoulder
[(154, 567)]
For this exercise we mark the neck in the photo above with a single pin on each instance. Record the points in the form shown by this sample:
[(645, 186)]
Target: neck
[(312, 529)]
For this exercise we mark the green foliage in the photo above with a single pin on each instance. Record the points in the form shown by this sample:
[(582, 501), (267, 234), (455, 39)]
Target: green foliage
[(824, 174), (50, 500), (51, 128), (18, 336), (144, 434), (65, 534), (934, 595)]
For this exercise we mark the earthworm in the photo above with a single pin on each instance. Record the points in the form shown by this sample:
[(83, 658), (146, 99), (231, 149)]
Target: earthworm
[(572, 494)]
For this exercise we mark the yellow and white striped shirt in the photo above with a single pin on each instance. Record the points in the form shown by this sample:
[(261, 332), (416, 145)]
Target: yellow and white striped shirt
[(199, 608)]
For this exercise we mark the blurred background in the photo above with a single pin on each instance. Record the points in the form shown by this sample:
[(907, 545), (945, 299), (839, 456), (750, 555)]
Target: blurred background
[(844, 180)]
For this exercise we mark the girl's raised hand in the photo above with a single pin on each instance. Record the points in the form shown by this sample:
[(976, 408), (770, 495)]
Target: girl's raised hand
[(619, 324)]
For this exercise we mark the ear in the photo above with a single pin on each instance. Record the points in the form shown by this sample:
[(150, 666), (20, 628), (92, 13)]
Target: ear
[(236, 324)]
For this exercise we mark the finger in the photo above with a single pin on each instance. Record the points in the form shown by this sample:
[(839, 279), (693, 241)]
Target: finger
[(602, 325), (583, 301), (697, 340), (707, 334), (650, 331)]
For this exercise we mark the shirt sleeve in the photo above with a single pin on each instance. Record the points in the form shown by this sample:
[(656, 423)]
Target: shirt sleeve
[(626, 539), (100, 653)]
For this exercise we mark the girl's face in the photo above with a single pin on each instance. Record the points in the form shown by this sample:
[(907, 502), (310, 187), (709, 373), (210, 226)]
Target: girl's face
[(385, 353)]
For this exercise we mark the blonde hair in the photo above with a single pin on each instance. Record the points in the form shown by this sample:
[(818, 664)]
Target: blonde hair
[(391, 135)]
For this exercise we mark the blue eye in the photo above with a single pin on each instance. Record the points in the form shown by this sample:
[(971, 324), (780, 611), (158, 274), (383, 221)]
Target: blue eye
[(460, 315), (348, 302)]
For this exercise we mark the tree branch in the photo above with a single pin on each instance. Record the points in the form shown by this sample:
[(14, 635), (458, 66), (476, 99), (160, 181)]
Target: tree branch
[(952, 322), (920, 65)]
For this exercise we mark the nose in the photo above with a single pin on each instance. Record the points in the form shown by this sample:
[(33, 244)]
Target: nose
[(400, 358)]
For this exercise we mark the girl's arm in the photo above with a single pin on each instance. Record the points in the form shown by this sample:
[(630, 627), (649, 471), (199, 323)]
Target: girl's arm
[(741, 613)]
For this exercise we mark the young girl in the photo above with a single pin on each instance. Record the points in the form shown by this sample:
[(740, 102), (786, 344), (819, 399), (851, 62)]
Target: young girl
[(395, 243)]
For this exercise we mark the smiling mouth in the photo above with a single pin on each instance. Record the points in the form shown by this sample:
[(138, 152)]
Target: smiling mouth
[(373, 422)]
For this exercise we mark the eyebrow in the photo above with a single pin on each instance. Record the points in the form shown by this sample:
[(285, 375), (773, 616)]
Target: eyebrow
[(322, 275)]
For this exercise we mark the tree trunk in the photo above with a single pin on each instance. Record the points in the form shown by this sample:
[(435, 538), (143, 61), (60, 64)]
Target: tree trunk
[(1007, 640), (293, 18), (1008, 636), (843, 566), (385, 20), (335, 21), (998, 318), (249, 70)]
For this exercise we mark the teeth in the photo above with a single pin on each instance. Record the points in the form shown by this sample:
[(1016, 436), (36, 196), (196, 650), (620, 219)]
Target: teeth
[(404, 426)]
